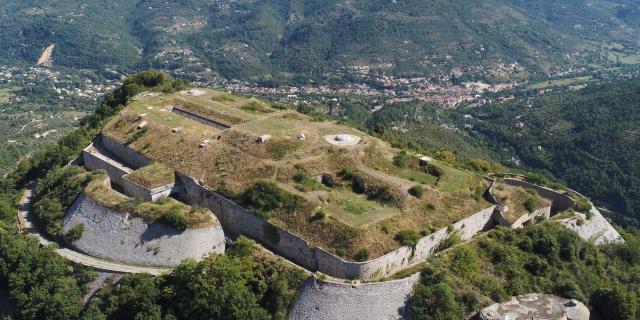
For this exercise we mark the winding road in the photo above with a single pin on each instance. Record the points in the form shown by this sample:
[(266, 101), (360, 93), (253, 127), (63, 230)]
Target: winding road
[(25, 222)]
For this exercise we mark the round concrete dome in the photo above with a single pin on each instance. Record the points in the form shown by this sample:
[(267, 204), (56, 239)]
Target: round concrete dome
[(345, 138)]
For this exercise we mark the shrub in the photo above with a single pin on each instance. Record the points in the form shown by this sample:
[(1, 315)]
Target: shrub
[(320, 215), (434, 170), (582, 205), (175, 218), (589, 215), (400, 160), (75, 233), (362, 255), (265, 196), (408, 238), (537, 266), (347, 174), (464, 262), (435, 301), (445, 156), (381, 193), (451, 240), (243, 247), (531, 204), (616, 303), (306, 182), (428, 207), (417, 191), (579, 222)]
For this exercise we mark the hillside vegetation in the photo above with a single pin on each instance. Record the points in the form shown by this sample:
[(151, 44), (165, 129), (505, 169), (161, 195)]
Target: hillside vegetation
[(588, 138), (299, 40), (545, 258)]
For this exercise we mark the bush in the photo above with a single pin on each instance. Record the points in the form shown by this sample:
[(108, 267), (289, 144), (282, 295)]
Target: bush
[(175, 218), (445, 156), (451, 240), (400, 160), (320, 215), (615, 303), (582, 205), (537, 266), (347, 174), (589, 215), (242, 247), (75, 233), (362, 255), (408, 238), (417, 191), (464, 262), (434, 170), (579, 222), (265, 196), (306, 182), (436, 301), (531, 204)]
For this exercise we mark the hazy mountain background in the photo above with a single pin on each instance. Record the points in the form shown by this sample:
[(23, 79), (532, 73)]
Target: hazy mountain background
[(297, 40)]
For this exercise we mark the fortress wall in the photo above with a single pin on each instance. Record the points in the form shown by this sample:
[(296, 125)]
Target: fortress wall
[(93, 161), (561, 202), (468, 227), (112, 235), (130, 157), (239, 221), (403, 257), (524, 219), (136, 190)]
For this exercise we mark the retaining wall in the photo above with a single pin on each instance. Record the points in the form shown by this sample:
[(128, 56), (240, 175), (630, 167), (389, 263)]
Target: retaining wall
[(201, 119), (130, 157), (94, 160), (133, 189)]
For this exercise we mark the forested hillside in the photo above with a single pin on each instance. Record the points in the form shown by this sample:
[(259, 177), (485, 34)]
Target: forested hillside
[(296, 40), (589, 138)]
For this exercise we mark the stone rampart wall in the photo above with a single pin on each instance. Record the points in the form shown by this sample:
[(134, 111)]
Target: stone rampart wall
[(135, 190), (130, 157), (239, 221), (96, 161), (560, 202)]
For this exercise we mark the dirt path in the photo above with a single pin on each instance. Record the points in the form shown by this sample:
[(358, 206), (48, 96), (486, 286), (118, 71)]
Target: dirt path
[(26, 224)]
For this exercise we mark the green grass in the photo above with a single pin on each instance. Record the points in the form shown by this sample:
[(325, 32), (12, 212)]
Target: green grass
[(453, 179), (354, 207), (153, 175), (356, 210), (418, 176)]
